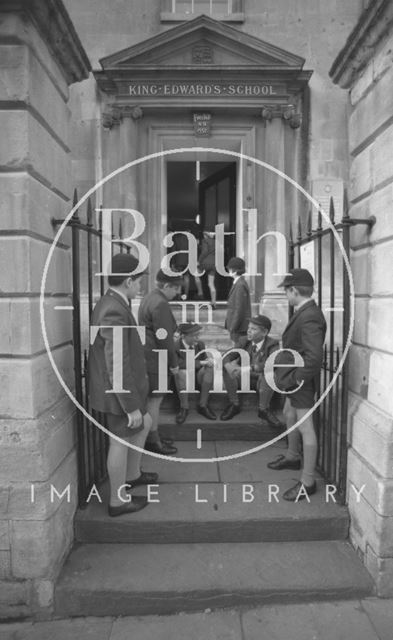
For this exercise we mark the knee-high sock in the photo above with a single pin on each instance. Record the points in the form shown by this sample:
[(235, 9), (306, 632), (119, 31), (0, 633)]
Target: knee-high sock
[(310, 451), (153, 407), (293, 437), (117, 467), (133, 456)]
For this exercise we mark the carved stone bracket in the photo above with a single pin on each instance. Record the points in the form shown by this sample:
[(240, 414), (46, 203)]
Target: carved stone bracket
[(286, 112)]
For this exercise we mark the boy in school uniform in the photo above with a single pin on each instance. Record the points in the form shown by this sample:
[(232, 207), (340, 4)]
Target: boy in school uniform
[(239, 303), (305, 334), (204, 372)]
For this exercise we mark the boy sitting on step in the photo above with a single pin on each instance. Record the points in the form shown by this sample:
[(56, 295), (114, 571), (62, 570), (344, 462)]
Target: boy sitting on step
[(204, 371), (259, 346)]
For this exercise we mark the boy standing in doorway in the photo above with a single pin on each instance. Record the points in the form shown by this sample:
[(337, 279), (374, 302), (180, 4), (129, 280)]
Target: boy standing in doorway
[(239, 304)]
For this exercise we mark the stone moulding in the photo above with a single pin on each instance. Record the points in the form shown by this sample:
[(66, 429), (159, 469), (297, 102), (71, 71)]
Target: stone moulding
[(360, 46), (58, 32)]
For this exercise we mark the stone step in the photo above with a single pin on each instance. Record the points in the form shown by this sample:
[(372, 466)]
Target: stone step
[(244, 426), (146, 579), (180, 518), (218, 402)]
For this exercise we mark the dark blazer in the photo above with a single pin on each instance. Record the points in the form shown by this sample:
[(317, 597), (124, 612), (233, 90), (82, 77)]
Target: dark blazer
[(304, 333), (269, 345), (155, 313), (112, 310), (238, 307), (181, 355)]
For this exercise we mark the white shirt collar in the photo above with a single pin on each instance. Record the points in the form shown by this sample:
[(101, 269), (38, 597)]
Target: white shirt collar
[(302, 303), (236, 278), (121, 294), (259, 345)]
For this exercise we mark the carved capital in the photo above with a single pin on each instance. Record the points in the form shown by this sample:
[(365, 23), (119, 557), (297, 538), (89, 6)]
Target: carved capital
[(286, 112), (112, 117)]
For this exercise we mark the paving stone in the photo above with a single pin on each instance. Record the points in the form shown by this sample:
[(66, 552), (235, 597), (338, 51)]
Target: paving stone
[(380, 613), (78, 629), (206, 626), (314, 621), (175, 471)]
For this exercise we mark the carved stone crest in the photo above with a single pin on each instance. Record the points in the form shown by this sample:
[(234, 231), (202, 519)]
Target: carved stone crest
[(202, 54)]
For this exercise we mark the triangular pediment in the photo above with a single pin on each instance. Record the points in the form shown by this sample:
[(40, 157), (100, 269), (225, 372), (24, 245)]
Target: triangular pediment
[(203, 42)]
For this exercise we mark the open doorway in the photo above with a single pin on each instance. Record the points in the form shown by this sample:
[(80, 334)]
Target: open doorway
[(201, 195)]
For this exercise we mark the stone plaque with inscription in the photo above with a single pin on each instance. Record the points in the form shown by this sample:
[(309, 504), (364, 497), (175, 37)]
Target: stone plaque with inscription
[(202, 122)]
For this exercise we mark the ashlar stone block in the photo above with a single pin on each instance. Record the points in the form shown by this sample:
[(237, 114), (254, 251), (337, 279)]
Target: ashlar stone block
[(375, 529), (372, 112), (371, 434), (37, 549), (30, 386), (376, 490)]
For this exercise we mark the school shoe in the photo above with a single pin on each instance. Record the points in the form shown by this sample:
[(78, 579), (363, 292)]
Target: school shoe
[(137, 503), (146, 477), (162, 447), (180, 417), (230, 411), (292, 495), (206, 412), (270, 417), (281, 462)]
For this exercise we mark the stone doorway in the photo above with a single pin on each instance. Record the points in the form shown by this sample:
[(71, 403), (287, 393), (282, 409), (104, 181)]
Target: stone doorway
[(201, 195)]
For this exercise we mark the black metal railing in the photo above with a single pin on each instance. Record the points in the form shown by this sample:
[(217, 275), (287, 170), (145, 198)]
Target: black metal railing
[(333, 296)]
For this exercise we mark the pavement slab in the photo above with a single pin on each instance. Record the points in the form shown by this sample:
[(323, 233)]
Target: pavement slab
[(313, 621), (380, 613), (202, 626), (74, 629)]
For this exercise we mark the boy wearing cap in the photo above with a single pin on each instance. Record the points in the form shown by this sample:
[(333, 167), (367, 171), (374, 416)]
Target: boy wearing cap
[(259, 346), (239, 304), (155, 314), (126, 410), (304, 334), (189, 339)]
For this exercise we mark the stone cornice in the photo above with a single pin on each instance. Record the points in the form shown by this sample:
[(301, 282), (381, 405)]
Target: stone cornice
[(360, 46), (57, 30)]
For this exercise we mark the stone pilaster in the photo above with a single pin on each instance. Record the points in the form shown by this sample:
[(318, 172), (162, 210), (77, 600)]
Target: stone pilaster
[(364, 67), (40, 56)]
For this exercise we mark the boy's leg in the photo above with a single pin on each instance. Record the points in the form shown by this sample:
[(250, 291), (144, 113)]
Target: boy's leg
[(205, 379), (265, 393), (153, 407), (310, 448), (181, 384), (134, 457), (117, 470), (294, 438), (231, 381)]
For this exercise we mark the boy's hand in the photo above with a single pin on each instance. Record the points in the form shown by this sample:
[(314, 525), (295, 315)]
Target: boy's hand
[(134, 419)]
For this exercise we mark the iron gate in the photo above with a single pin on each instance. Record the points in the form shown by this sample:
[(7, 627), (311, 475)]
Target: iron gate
[(333, 297)]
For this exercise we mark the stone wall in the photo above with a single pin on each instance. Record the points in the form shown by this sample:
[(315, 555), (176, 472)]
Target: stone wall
[(40, 56), (366, 69)]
